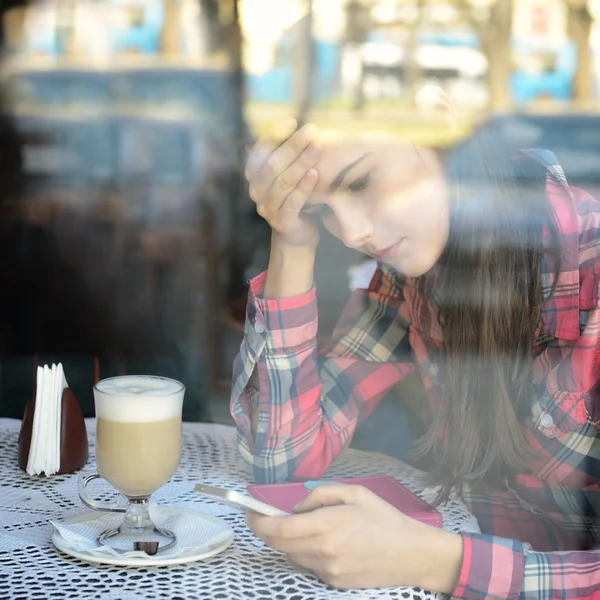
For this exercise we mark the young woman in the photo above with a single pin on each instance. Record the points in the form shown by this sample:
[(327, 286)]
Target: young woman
[(487, 286)]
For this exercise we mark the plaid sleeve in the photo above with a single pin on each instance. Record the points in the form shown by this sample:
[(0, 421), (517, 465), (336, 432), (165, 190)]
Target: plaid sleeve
[(492, 568), (309, 408), (495, 568)]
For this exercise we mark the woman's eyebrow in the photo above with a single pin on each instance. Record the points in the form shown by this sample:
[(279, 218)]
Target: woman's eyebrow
[(339, 178)]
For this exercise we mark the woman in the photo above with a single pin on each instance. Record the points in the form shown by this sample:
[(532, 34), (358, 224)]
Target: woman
[(488, 288)]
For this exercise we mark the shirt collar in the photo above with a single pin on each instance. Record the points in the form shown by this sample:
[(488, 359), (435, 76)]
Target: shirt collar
[(560, 313)]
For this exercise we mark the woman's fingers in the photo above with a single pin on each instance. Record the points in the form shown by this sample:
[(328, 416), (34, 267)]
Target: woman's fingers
[(289, 212), (292, 176), (266, 145), (275, 176), (291, 189), (282, 176), (334, 495)]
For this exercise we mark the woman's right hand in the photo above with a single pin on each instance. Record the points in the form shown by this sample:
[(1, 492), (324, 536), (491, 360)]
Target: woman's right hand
[(281, 174)]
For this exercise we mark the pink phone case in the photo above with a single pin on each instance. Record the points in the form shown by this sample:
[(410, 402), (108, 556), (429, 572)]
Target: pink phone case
[(285, 495)]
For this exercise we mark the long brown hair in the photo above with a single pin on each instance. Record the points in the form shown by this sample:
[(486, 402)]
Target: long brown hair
[(488, 291)]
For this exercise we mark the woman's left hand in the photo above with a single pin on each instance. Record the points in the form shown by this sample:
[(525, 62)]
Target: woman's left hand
[(351, 538)]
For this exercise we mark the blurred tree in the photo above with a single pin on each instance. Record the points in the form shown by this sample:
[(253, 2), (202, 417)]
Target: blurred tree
[(65, 28), (579, 29), (492, 21), (13, 13), (221, 19), (493, 24), (358, 27), (411, 21), (169, 39), (358, 21), (13, 21), (413, 69)]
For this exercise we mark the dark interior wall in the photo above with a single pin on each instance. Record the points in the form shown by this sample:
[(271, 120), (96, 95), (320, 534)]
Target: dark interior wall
[(78, 289)]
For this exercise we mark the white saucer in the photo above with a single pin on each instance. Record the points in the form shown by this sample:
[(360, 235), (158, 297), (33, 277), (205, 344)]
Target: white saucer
[(204, 551)]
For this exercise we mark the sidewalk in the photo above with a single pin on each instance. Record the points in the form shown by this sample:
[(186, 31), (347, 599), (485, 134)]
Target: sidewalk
[(378, 121)]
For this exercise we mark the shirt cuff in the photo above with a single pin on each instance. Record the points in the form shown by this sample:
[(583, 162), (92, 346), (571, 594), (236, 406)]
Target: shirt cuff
[(492, 568), (287, 323)]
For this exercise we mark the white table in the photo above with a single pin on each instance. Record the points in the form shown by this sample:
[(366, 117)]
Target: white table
[(30, 566)]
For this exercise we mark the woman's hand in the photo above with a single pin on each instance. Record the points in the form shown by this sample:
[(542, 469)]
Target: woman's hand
[(281, 174), (351, 538)]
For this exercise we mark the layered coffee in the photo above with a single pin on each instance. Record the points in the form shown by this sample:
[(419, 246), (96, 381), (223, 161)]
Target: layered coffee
[(138, 432)]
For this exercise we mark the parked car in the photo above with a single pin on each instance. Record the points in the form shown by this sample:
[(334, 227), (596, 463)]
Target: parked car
[(573, 137)]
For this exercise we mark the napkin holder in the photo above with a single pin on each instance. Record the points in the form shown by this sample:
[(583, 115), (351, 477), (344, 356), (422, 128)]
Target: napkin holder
[(73, 435)]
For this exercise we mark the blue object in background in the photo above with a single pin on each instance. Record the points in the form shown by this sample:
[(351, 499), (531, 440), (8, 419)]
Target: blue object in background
[(276, 85), (328, 59), (57, 87), (465, 39), (273, 86), (206, 92), (556, 84), (144, 36)]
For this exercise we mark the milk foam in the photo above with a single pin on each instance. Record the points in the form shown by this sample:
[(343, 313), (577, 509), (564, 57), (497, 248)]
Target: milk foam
[(138, 398)]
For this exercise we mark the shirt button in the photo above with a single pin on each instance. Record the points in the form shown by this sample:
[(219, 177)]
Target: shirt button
[(258, 327), (546, 420)]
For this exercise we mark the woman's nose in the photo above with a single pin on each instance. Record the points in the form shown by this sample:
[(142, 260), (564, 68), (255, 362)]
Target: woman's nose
[(355, 228)]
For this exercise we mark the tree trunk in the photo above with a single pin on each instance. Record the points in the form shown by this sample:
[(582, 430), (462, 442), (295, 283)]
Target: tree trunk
[(412, 77), (579, 24), (304, 65), (169, 39), (498, 74), (495, 33), (235, 51), (14, 27), (495, 42), (214, 27)]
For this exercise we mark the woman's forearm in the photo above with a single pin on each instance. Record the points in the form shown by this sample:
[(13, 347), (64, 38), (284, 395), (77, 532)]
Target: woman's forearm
[(290, 273), (291, 269)]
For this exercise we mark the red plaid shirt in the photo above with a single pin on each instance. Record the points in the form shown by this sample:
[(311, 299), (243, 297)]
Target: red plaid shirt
[(541, 534)]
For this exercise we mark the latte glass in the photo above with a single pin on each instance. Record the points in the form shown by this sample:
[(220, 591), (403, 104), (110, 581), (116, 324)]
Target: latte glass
[(138, 448)]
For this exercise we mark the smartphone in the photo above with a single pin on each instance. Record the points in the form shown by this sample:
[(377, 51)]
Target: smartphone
[(241, 502)]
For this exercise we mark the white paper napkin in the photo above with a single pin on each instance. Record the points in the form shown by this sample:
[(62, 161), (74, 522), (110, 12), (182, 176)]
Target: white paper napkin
[(194, 532), (44, 452)]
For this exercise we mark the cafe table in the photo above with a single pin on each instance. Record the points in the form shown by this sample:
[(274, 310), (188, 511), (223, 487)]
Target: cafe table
[(32, 568)]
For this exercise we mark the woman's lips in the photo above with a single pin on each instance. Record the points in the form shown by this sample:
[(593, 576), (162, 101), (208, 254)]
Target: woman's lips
[(389, 252)]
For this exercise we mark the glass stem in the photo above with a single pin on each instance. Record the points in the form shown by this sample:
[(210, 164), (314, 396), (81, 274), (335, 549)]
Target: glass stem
[(137, 517)]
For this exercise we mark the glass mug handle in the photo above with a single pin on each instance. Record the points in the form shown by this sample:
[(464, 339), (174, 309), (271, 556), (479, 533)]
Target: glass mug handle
[(120, 505)]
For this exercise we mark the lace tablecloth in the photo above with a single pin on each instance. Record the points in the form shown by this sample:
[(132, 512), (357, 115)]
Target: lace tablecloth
[(30, 566)]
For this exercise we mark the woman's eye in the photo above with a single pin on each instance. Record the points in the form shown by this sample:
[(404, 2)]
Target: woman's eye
[(360, 184)]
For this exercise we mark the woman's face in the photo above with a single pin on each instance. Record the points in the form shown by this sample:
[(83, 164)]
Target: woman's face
[(389, 202)]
